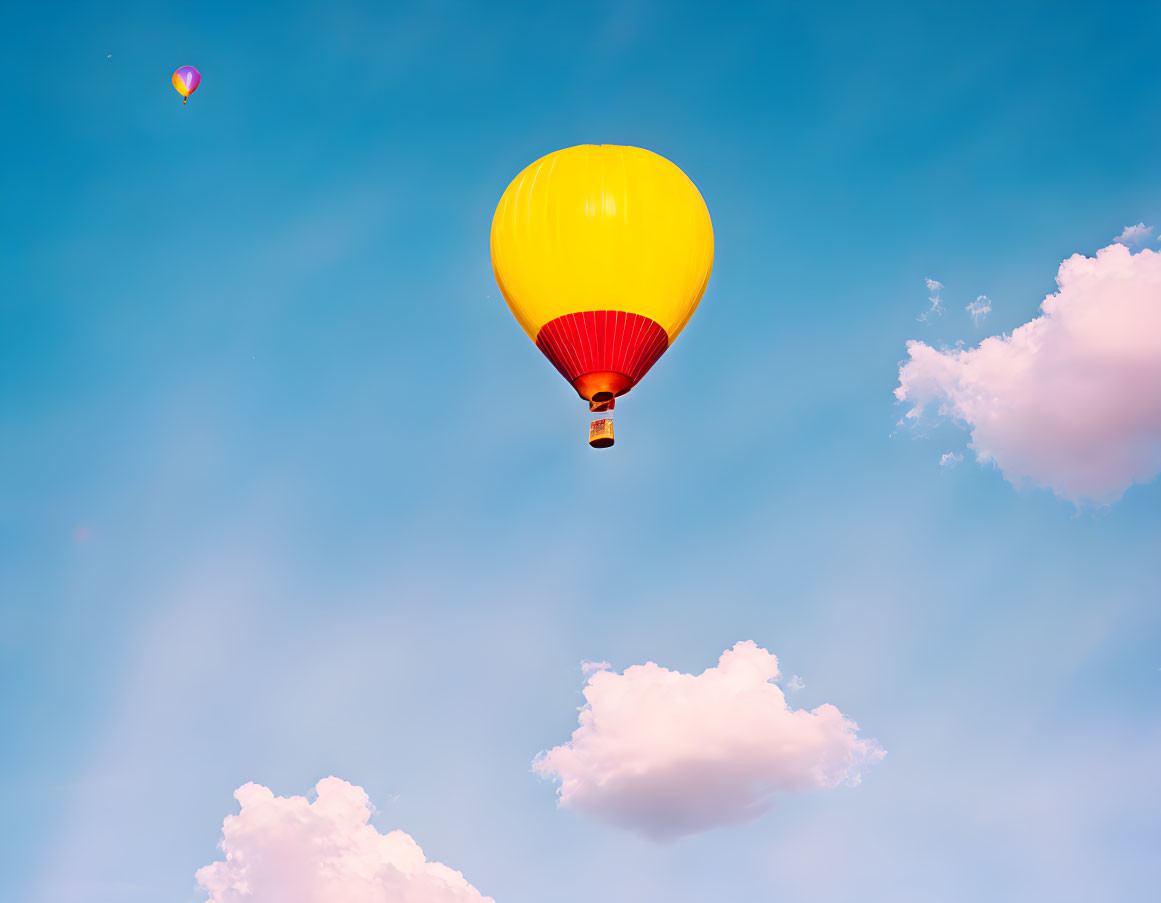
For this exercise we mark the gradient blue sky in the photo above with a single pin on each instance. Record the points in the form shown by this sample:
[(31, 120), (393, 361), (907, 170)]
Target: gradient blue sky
[(340, 515)]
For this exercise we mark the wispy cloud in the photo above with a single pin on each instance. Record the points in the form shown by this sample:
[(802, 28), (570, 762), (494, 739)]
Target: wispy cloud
[(795, 684), (1070, 400), (1134, 235), (979, 309), (949, 459), (934, 287), (667, 754)]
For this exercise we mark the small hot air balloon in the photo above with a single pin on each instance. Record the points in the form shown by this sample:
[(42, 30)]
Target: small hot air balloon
[(602, 253), (186, 81)]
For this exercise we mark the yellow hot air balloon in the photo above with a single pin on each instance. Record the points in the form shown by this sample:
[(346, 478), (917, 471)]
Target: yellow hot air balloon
[(602, 253)]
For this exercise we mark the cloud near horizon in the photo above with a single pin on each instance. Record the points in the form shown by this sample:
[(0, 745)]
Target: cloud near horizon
[(288, 850), (1071, 400), (667, 754)]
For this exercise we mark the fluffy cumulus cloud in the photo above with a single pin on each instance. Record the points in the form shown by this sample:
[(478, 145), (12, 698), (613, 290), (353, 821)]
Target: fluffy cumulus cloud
[(1070, 400), (666, 753), (289, 850)]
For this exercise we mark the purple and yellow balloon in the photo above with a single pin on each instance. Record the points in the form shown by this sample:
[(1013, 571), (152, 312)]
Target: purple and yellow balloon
[(186, 80)]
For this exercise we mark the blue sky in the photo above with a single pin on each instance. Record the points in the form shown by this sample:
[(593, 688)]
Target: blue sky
[(338, 515)]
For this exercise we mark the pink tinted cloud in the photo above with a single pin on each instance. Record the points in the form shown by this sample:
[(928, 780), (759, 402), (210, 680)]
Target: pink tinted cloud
[(666, 753), (1134, 235), (1070, 400), (289, 850)]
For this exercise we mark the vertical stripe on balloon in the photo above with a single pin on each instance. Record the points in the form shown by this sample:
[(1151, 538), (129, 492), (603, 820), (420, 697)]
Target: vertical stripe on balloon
[(602, 340)]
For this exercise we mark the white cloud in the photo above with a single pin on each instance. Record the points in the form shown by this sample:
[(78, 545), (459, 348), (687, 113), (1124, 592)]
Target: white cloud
[(1134, 235), (979, 309), (1070, 400), (666, 753), (588, 667), (949, 459), (288, 850), (936, 309), (795, 684)]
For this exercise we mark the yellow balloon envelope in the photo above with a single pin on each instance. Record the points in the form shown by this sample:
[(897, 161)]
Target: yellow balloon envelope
[(602, 253)]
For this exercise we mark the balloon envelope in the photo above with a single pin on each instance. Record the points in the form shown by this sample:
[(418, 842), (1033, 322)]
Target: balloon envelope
[(186, 80), (602, 253)]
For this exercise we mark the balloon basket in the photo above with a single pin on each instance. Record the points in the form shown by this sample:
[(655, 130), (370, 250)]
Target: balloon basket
[(601, 433)]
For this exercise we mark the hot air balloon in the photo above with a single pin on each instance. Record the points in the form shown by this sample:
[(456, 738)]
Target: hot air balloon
[(186, 81), (602, 253)]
